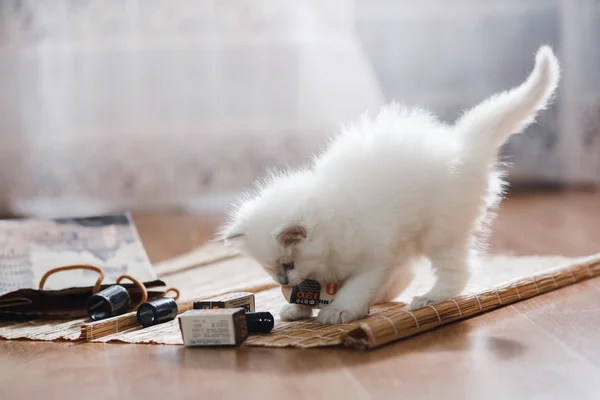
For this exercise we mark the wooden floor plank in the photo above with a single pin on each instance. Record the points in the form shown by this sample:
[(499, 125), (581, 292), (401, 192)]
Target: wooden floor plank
[(499, 355), (571, 316)]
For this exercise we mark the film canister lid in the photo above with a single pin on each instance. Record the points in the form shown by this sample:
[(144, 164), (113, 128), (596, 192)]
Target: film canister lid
[(112, 301), (259, 322), (157, 311)]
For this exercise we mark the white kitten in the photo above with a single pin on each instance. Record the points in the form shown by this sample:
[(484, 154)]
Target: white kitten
[(387, 191)]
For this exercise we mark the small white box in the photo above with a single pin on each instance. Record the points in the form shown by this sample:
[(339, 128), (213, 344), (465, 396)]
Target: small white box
[(213, 327)]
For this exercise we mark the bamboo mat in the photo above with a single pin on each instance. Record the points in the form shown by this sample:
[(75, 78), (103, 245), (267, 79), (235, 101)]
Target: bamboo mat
[(498, 281)]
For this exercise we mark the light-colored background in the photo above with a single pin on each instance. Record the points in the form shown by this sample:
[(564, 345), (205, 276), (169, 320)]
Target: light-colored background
[(112, 104)]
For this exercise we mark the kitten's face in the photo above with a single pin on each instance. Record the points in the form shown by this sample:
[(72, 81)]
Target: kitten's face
[(278, 227), (289, 253)]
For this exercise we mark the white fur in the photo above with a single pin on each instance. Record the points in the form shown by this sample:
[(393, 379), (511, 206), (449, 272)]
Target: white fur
[(387, 191)]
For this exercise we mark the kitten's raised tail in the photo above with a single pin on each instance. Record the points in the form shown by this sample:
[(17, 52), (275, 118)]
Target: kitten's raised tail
[(488, 125)]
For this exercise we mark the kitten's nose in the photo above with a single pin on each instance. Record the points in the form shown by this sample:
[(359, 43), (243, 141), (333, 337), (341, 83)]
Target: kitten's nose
[(283, 280)]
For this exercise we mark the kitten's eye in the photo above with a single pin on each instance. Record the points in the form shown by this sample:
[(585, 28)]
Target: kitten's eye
[(288, 266)]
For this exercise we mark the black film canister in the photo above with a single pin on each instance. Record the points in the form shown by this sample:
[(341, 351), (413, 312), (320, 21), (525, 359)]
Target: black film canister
[(259, 322), (157, 311), (114, 300)]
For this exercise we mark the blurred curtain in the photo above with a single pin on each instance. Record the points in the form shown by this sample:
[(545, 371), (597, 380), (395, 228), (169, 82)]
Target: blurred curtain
[(449, 55), (137, 104)]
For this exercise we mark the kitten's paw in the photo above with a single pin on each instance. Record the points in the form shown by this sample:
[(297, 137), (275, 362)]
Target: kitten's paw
[(295, 312), (424, 301), (332, 315)]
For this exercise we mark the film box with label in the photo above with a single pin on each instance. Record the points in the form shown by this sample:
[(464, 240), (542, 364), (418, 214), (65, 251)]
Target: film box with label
[(243, 300), (311, 293), (213, 327)]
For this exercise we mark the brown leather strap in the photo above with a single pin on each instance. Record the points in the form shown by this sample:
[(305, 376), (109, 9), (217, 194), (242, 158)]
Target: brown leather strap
[(98, 284), (139, 285), (72, 267), (172, 290)]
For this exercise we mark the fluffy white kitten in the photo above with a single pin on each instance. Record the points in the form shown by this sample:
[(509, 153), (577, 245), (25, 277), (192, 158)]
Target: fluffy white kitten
[(386, 192)]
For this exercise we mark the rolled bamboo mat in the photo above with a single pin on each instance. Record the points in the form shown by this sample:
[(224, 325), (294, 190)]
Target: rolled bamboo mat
[(392, 321), (394, 324), (218, 273)]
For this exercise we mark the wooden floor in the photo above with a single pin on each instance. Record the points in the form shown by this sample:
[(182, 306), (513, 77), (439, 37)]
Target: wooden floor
[(546, 347)]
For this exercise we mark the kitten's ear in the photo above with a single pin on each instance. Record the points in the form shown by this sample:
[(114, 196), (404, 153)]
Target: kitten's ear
[(291, 235)]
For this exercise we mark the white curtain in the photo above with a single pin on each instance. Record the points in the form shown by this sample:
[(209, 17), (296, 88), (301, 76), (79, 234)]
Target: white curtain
[(449, 55), (112, 104)]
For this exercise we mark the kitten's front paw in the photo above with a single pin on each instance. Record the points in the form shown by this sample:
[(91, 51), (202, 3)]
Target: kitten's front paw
[(332, 315), (424, 301), (295, 312)]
